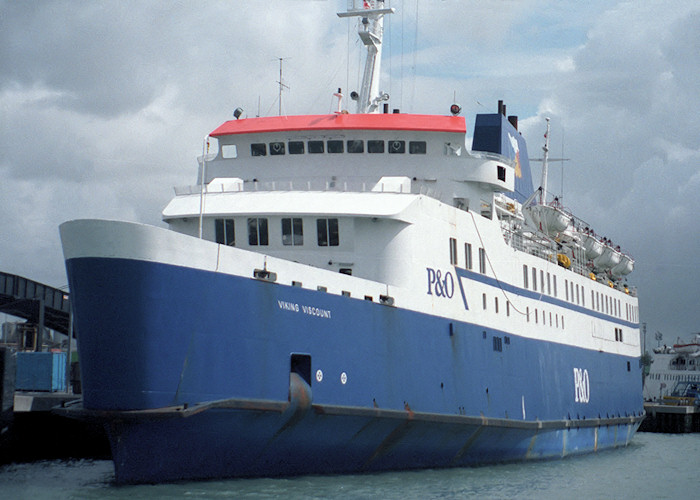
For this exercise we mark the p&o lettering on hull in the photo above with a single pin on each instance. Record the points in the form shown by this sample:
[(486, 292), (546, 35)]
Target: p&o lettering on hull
[(440, 284)]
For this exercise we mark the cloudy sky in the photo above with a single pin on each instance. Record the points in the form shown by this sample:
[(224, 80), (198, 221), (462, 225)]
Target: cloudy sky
[(104, 106)]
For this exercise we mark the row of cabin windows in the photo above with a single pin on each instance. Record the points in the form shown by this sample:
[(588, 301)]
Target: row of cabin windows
[(337, 146), (555, 320), (673, 376), (546, 286), (327, 232), (573, 292), (454, 259)]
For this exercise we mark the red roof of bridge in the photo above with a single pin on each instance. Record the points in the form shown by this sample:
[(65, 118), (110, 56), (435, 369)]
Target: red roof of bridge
[(394, 121)]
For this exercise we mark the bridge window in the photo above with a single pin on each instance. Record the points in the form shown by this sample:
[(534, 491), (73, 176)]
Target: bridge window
[(397, 146), (257, 231), (229, 151), (327, 230), (453, 251), (468, 255), (225, 234), (374, 146), (417, 147), (525, 275), (296, 147), (316, 147), (356, 146), (276, 148), (335, 146), (482, 261), (258, 149), (292, 231)]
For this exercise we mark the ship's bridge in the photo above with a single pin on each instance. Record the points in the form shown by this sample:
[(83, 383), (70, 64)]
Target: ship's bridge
[(344, 150)]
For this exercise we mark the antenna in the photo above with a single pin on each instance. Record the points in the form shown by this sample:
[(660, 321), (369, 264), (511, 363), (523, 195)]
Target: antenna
[(282, 86), (371, 32), (545, 159)]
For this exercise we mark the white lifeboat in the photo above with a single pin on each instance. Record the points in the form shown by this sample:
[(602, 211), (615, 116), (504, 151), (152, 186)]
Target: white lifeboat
[(692, 348), (549, 219), (608, 259), (592, 245), (625, 266)]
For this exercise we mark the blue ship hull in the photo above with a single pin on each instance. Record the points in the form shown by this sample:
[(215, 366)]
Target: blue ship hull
[(191, 371)]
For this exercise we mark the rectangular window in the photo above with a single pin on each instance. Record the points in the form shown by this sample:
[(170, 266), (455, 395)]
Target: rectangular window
[(276, 148), (482, 261), (397, 146), (549, 285), (316, 147), (495, 304), (578, 295), (583, 296), (566, 288), (356, 146), (453, 251), (525, 275), (554, 282), (292, 231), (535, 316), (468, 255), (534, 279), (542, 280), (229, 151), (335, 146), (258, 149), (257, 231), (507, 307), (327, 230), (375, 146), (417, 147), (296, 147), (225, 234), (501, 173), (483, 300), (498, 344), (527, 314)]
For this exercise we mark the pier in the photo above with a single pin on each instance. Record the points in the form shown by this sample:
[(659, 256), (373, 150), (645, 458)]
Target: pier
[(671, 418), (37, 374)]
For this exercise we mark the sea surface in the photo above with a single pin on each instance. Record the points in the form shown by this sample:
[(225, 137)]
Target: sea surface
[(654, 466)]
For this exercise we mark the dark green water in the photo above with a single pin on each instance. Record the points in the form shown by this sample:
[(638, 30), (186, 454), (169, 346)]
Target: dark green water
[(658, 466)]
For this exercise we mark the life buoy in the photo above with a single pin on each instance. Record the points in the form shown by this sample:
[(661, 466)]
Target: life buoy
[(563, 260)]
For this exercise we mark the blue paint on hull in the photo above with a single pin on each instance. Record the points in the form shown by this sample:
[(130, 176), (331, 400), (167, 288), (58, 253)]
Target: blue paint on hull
[(243, 443), (153, 335)]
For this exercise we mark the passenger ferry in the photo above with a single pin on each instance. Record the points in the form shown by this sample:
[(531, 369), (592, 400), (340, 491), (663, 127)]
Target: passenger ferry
[(358, 291), (679, 363)]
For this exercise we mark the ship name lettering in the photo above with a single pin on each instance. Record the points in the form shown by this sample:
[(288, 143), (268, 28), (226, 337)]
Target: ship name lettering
[(582, 388), (315, 311), (288, 306), (439, 284)]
